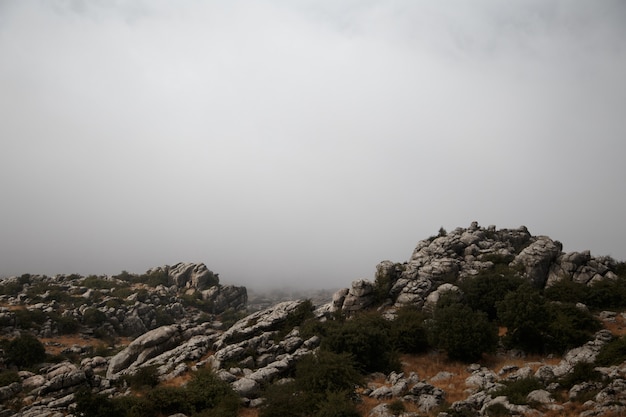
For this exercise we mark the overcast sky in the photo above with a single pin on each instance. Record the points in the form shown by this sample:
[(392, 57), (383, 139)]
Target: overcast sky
[(299, 143)]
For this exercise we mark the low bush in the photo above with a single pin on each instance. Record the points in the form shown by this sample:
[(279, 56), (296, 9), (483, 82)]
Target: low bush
[(146, 377), (29, 319), (613, 353), (367, 338), (323, 386), (525, 315), (24, 351), (569, 327), (64, 324), (408, 331), (463, 333), (93, 317), (9, 377), (483, 291), (517, 391)]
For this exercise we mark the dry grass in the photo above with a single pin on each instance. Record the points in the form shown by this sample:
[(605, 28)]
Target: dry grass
[(617, 326), (55, 345), (177, 381), (248, 412)]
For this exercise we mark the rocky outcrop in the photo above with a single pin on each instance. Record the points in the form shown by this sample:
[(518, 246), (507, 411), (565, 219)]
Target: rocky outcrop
[(465, 252), (145, 347)]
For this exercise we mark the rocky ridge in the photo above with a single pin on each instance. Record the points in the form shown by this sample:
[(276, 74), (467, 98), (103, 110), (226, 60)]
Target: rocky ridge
[(263, 347), (464, 252)]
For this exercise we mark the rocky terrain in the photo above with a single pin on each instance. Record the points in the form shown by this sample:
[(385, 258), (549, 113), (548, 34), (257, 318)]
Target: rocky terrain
[(176, 320)]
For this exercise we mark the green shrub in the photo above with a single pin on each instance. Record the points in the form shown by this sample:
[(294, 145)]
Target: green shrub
[(9, 377), (145, 377), (607, 294), (285, 400), (408, 331), (367, 338), (89, 404), (463, 333), (93, 317), (484, 290), (29, 319), (24, 351), (497, 410), (327, 371), (323, 386), (195, 300), (525, 315), (64, 324), (163, 318), (99, 283), (569, 327), (154, 279), (613, 353), (396, 407), (567, 291), (121, 292), (517, 391), (11, 288)]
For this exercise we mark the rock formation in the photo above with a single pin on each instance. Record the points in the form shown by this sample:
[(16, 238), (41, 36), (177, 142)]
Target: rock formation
[(464, 252)]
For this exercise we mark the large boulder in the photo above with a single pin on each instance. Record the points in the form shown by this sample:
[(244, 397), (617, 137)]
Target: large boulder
[(536, 259), (226, 297), (146, 346), (191, 275)]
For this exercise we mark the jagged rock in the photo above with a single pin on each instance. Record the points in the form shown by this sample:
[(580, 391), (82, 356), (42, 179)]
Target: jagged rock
[(245, 387), (433, 297), (583, 388), (33, 382), (257, 323), (381, 392), (381, 410), (482, 379), (442, 376), (514, 409), (145, 347), (224, 297), (544, 373), (66, 380), (190, 275), (9, 391), (536, 259), (360, 296), (539, 396), (586, 353)]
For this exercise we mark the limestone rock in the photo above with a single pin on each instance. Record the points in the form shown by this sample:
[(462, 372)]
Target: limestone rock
[(537, 258), (145, 347)]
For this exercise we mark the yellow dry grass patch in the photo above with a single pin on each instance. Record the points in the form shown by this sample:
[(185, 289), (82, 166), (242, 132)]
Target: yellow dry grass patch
[(617, 326), (248, 412), (55, 345)]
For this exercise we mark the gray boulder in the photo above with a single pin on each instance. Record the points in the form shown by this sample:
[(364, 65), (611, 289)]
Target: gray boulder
[(536, 259), (145, 347)]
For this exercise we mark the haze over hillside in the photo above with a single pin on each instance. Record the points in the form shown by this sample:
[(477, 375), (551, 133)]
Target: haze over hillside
[(301, 142)]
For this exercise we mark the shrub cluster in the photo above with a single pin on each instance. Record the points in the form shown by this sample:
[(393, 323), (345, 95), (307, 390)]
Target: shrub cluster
[(204, 395), (323, 387)]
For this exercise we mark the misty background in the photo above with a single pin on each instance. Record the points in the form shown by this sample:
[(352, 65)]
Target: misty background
[(299, 143)]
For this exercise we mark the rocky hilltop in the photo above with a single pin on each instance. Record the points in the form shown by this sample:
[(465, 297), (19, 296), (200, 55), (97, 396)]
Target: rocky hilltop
[(95, 344), (451, 257)]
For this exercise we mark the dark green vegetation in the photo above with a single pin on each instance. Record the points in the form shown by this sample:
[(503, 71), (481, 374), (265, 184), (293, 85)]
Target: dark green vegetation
[(204, 395), (23, 351), (323, 387)]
